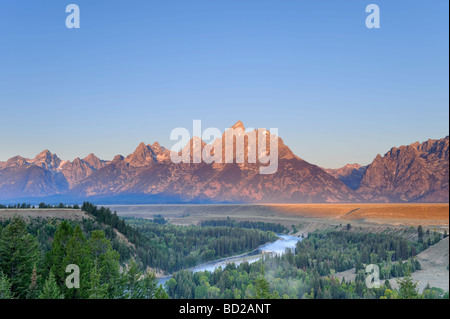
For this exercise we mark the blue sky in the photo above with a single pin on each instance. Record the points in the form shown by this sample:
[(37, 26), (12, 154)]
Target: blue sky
[(337, 91)]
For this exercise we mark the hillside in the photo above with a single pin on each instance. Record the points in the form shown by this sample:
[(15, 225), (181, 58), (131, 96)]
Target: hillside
[(434, 261)]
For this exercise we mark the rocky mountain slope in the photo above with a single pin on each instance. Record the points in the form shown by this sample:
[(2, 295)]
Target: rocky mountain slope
[(418, 172), (149, 171), (45, 175)]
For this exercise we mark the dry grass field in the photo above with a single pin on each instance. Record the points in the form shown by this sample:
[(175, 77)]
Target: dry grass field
[(423, 213), (309, 216), (287, 214), (69, 214)]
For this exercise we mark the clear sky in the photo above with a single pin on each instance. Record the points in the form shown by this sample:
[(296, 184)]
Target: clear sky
[(338, 92)]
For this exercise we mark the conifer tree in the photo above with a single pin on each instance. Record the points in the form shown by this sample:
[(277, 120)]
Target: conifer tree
[(33, 289), (19, 253), (107, 258), (77, 253), (161, 293), (130, 280), (97, 290), (5, 287), (57, 255), (407, 287), (420, 233), (149, 285), (50, 289)]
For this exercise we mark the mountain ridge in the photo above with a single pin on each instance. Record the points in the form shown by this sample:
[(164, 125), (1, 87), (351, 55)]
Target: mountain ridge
[(420, 170)]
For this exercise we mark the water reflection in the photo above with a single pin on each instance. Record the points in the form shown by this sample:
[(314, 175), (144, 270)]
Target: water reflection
[(278, 247)]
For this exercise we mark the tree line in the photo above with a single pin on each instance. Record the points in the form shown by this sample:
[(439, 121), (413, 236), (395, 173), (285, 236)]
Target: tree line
[(170, 247), (276, 228), (41, 206), (310, 271), (31, 269), (46, 246)]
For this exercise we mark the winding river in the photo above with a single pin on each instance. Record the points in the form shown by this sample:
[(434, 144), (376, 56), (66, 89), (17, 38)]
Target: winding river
[(278, 247)]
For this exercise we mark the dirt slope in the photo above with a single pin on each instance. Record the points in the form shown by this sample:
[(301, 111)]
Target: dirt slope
[(434, 261)]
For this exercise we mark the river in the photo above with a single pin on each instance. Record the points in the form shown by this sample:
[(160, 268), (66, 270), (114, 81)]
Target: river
[(278, 247)]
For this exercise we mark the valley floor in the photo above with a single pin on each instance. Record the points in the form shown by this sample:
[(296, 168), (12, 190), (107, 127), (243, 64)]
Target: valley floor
[(375, 218), (308, 217)]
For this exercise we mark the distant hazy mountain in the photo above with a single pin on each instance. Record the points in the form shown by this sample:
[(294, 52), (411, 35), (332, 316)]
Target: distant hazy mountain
[(351, 174), (418, 172), (21, 177), (45, 175)]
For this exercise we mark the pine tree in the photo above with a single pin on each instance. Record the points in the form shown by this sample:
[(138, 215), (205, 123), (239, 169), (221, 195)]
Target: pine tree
[(51, 289), (407, 287), (18, 254), (420, 233), (100, 249), (57, 255), (97, 290), (149, 285), (5, 287), (130, 281), (161, 293), (77, 253), (262, 288), (33, 289)]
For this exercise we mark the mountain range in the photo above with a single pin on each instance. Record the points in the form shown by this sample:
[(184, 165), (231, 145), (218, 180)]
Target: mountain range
[(414, 173)]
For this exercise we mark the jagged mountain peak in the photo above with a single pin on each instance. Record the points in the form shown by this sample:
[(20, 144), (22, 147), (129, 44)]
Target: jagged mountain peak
[(16, 161), (90, 157), (45, 155), (45, 152), (142, 146), (94, 161), (417, 172), (157, 148), (47, 160), (142, 156), (118, 158), (238, 124)]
